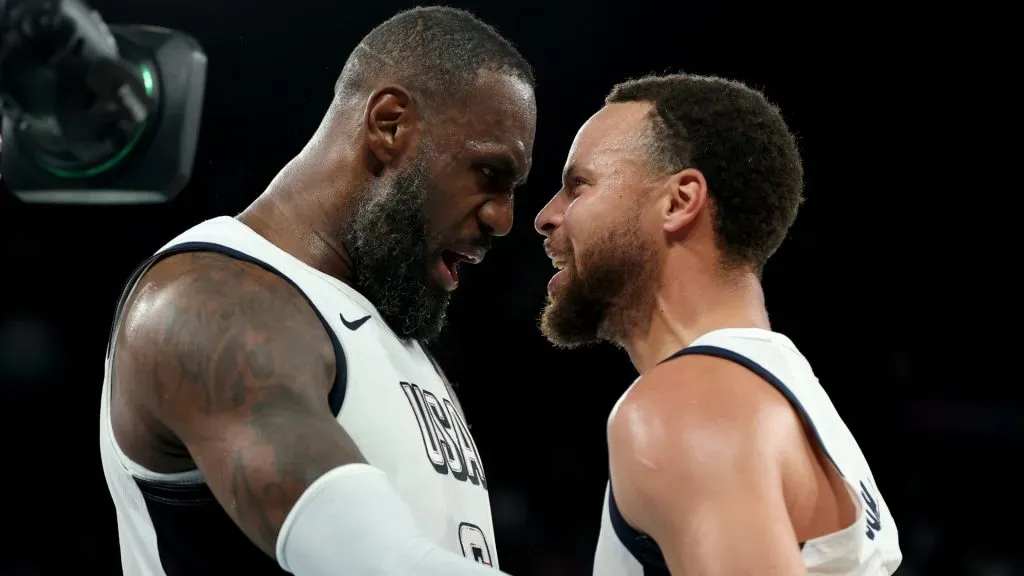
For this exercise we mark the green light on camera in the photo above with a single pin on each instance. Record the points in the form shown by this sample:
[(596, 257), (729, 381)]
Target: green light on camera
[(148, 83)]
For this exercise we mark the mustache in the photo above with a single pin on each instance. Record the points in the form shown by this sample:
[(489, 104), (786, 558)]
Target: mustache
[(554, 250)]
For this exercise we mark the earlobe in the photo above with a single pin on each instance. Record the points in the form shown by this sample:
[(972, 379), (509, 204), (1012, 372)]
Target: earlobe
[(686, 198), (391, 124)]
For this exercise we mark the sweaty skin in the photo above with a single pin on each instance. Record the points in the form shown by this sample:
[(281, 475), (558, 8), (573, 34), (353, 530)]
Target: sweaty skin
[(233, 366), (221, 365), (707, 458), (732, 487)]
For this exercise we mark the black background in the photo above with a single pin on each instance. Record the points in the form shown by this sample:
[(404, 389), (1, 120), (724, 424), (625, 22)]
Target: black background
[(872, 283)]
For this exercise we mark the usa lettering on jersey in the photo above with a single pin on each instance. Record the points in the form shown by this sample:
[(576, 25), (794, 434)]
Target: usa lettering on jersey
[(873, 515), (446, 439)]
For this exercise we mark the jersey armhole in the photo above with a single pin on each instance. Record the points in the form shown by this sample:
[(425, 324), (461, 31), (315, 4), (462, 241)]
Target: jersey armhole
[(170, 485), (643, 547)]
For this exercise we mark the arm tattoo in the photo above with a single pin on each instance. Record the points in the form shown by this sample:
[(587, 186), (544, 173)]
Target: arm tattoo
[(242, 374)]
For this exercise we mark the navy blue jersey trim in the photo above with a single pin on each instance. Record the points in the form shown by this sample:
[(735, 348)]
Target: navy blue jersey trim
[(643, 547), (196, 537), (640, 545), (763, 372)]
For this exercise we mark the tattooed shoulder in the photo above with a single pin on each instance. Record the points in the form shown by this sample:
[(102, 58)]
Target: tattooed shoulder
[(238, 368), (213, 331)]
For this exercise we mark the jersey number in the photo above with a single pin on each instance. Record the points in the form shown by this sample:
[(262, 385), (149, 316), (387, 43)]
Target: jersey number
[(474, 544)]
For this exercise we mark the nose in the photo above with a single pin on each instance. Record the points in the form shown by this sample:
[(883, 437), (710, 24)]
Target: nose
[(496, 215), (549, 218)]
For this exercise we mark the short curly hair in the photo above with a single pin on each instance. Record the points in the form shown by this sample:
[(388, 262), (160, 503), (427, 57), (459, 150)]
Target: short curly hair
[(740, 142), (436, 51)]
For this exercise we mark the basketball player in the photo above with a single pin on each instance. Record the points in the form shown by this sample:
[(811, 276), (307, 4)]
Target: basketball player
[(726, 455), (268, 407)]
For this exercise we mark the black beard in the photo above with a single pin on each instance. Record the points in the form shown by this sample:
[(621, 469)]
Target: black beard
[(391, 255)]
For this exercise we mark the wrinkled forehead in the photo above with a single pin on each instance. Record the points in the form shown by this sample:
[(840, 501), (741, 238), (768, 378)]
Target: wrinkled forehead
[(615, 132)]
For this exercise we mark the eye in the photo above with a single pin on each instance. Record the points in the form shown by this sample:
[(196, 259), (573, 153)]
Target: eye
[(495, 179), (574, 187)]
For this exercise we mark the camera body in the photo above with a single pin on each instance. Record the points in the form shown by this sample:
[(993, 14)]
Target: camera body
[(96, 115)]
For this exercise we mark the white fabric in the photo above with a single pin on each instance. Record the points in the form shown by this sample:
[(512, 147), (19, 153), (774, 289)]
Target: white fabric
[(397, 408), (869, 546), (356, 504)]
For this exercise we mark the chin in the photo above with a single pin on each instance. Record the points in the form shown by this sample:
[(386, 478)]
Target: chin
[(568, 323)]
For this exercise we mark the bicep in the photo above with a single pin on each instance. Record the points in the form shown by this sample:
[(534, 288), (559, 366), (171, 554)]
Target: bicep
[(697, 469), (260, 459), (241, 368)]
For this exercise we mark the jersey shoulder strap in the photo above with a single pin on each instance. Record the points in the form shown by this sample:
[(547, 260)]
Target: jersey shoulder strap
[(767, 376)]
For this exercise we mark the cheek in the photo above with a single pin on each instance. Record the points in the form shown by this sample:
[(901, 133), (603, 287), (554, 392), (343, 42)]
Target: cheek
[(441, 198), (584, 223), (433, 211)]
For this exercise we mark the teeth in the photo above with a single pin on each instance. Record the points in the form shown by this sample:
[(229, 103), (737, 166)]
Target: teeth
[(468, 258)]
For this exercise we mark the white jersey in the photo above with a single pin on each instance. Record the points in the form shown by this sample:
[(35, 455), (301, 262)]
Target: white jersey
[(389, 396), (868, 547)]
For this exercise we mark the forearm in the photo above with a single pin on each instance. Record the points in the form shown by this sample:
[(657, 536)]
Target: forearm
[(297, 486), (351, 521)]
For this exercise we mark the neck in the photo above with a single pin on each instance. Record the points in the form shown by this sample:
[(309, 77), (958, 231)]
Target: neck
[(304, 210), (684, 309)]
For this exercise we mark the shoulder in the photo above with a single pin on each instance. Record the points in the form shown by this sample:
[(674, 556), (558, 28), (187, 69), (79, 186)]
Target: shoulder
[(702, 394), (214, 289), (696, 420), (212, 274), (699, 449), (203, 308)]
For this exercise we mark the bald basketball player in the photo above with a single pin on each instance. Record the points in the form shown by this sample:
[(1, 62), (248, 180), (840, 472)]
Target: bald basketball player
[(268, 405), (726, 455)]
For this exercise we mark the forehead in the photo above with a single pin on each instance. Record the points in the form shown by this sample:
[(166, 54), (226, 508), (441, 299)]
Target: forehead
[(615, 131), (501, 113)]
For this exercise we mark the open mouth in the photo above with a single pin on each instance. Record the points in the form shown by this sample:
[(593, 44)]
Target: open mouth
[(561, 276), (451, 260), (448, 265), (558, 280)]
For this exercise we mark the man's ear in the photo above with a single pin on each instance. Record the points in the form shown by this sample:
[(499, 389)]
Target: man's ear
[(687, 196), (392, 125)]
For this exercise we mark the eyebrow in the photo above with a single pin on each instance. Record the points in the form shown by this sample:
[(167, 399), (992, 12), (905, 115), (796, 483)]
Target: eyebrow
[(504, 159), (507, 162)]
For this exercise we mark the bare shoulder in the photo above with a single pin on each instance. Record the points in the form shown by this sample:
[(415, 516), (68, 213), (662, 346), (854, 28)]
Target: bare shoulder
[(702, 394), (698, 462), (233, 363), (204, 332), (694, 419)]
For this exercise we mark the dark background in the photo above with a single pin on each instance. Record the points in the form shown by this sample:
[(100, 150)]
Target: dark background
[(871, 284)]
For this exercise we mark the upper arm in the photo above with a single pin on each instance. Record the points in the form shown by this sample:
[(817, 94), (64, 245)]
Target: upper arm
[(695, 451), (235, 363)]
